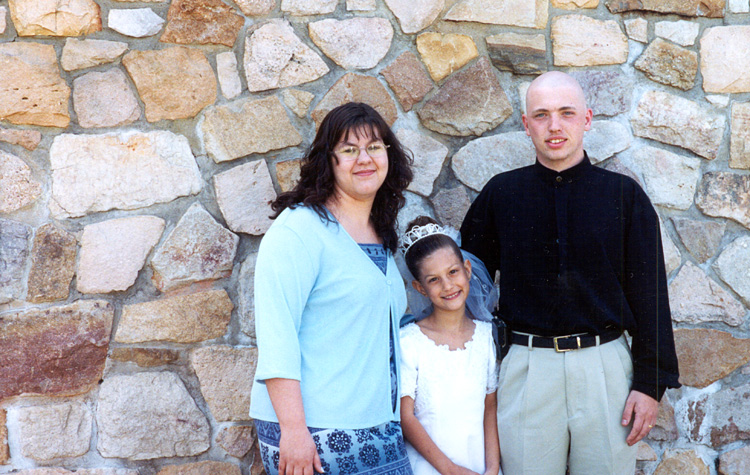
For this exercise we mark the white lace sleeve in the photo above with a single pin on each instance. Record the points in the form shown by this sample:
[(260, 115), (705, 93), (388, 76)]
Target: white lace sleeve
[(409, 362), (492, 366)]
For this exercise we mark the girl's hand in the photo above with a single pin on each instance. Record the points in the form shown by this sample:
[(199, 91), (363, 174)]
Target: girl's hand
[(491, 471), (297, 453)]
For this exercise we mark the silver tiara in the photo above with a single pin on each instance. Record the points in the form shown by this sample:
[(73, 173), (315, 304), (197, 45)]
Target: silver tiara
[(419, 232)]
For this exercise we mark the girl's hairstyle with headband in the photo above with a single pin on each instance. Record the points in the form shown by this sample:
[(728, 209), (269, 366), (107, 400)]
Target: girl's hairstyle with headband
[(423, 237)]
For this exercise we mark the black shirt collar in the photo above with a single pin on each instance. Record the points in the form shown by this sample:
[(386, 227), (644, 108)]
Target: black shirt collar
[(566, 176)]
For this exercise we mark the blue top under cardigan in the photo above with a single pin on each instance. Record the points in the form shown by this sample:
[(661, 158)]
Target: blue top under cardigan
[(322, 312)]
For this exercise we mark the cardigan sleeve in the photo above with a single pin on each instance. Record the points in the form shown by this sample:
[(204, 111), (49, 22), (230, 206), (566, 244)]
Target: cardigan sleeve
[(284, 278)]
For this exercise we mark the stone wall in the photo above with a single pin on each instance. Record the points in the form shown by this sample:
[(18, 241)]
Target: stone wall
[(141, 141)]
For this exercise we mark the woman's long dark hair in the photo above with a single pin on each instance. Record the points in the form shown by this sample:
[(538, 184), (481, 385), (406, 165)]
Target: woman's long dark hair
[(316, 183)]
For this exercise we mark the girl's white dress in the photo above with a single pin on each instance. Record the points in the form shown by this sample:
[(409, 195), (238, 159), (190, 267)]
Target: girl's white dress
[(449, 388)]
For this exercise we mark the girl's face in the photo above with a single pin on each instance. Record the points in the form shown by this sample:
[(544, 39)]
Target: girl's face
[(444, 279)]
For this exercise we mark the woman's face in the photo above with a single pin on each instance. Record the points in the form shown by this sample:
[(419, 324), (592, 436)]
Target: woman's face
[(359, 174)]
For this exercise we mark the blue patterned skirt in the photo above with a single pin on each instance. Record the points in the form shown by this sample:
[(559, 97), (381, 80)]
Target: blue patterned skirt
[(377, 450)]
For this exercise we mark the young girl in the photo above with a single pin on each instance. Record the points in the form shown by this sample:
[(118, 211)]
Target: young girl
[(448, 364)]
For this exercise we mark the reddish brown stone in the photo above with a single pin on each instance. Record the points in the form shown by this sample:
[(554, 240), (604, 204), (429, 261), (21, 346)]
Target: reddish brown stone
[(408, 79), (4, 452), (707, 356), (357, 88), (201, 468), (451, 205), (202, 22), (28, 139), (53, 262), (145, 357), (58, 351), (236, 440)]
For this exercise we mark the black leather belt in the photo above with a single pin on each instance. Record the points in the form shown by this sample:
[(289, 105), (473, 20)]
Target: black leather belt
[(563, 343)]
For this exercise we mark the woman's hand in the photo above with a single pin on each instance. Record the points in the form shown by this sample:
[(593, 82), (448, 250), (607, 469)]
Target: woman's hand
[(459, 470), (297, 453)]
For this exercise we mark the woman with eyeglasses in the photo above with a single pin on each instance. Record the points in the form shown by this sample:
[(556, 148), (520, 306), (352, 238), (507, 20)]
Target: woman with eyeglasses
[(328, 299)]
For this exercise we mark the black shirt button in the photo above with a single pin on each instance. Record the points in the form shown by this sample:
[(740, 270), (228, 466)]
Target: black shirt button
[(559, 179)]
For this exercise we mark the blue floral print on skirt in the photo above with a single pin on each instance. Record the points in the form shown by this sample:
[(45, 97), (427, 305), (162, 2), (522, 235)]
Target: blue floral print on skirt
[(376, 450)]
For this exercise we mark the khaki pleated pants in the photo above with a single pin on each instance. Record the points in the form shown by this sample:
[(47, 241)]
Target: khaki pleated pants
[(560, 410)]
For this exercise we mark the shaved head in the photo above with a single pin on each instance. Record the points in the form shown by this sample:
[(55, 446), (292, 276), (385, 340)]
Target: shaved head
[(553, 80)]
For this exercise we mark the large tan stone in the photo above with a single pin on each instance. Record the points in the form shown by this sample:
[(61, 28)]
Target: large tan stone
[(682, 32), (246, 292), (197, 249), (518, 53), (287, 174), (17, 187), (14, 250), (681, 463), (174, 83), (104, 99), (182, 319), (244, 195), (724, 65), (707, 356), (202, 22), (735, 462), (308, 7), (665, 426), (55, 431), (739, 150), (579, 40), (236, 440), (297, 101), (31, 89), (229, 76), (207, 467), (415, 15), (57, 351), (481, 159), (3, 25), (524, 13), (55, 18), (353, 43), (678, 121), (124, 170), (256, 7), (733, 267), (444, 54), (245, 127), (169, 423), (276, 57), (28, 139), (690, 8), (356, 88), (408, 79), (53, 261), (80, 54), (226, 376), (725, 195), (470, 102), (669, 64), (701, 238), (607, 92), (637, 29), (114, 251), (429, 156), (670, 179), (695, 298)]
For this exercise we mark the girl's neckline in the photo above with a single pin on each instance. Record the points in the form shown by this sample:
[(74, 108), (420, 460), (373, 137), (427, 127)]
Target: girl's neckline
[(445, 346)]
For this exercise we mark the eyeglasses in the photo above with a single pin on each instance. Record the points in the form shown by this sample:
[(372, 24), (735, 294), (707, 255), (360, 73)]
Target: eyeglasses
[(351, 153)]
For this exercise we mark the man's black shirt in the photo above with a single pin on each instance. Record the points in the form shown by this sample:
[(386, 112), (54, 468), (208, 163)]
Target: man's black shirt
[(579, 251)]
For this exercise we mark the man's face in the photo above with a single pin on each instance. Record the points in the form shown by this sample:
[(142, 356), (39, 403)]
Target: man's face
[(556, 118)]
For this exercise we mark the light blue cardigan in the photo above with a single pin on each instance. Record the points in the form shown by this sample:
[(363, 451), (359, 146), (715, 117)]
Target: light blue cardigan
[(322, 312)]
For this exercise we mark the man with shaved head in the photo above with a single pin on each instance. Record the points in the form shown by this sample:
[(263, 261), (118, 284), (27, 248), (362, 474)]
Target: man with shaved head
[(580, 258)]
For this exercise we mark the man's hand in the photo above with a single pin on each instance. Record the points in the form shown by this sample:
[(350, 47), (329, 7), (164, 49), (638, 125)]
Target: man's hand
[(645, 409)]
